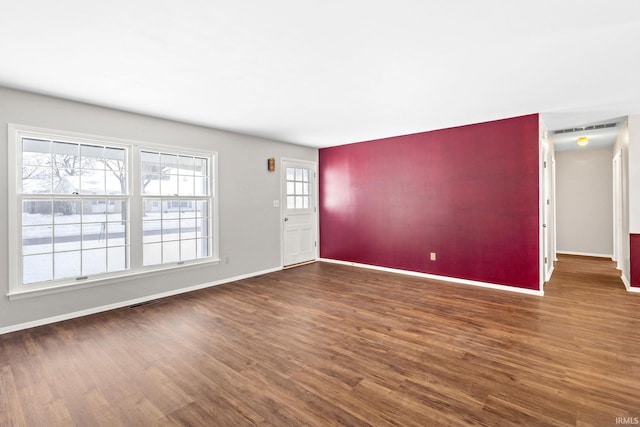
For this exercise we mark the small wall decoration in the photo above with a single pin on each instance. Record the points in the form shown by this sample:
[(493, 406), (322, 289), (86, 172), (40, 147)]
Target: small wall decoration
[(271, 164)]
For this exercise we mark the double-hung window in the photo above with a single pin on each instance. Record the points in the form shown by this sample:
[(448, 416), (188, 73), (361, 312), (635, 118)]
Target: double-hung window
[(176, 207), (88, 209)]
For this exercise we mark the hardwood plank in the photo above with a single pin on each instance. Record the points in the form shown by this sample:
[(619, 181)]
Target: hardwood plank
[(324, 344)]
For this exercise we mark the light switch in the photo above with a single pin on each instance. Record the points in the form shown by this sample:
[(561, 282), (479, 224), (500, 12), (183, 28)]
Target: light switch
[(276, 203)]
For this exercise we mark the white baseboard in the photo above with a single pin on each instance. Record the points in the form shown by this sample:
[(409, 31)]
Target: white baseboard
[(436, 277), (549, 274), (585, 254), (626, 282), (627, 285), (73, 315)]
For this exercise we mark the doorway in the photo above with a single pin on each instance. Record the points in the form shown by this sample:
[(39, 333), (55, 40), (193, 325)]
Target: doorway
[(299, 212)]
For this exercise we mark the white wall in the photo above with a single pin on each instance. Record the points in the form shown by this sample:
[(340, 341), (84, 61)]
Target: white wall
[(249, 224), (584, 190)]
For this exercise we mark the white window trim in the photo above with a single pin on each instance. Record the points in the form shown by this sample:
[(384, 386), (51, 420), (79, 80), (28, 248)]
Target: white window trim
[(136, 270)]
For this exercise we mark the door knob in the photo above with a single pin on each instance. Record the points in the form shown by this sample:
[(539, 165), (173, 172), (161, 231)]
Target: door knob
[(286, 219)]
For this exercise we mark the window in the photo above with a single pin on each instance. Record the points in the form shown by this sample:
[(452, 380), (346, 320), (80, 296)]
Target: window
[(298, 188), (74, 201), (176, 207), (74, 209)]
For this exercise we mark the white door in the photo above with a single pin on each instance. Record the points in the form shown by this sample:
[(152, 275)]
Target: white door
[(299, 212)]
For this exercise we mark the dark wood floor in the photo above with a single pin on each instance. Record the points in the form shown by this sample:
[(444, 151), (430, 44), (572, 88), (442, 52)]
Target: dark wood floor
[(325, 345)]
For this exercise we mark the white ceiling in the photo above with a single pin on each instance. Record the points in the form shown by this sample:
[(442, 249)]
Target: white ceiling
[(324, 73)]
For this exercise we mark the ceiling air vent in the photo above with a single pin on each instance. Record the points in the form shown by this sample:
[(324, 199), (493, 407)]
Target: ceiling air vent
[(582, 129)]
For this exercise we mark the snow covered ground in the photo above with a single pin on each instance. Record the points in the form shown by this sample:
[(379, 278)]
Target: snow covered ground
[(82, 245)]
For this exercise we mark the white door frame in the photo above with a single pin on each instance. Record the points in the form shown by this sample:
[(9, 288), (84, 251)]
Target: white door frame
[(617, 210), (283, 201), (546, 188)]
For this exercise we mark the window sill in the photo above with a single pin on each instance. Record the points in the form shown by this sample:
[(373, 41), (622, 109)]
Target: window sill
[(89, 283)]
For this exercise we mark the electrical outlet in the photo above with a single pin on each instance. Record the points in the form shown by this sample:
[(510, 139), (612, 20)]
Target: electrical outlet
[(432, 256)]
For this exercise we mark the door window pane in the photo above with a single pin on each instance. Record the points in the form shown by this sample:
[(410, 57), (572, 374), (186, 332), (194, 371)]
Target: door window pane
[(298, 188)]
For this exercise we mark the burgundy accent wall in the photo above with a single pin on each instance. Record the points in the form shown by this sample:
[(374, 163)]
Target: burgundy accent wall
[(469, 194), (634, 255)]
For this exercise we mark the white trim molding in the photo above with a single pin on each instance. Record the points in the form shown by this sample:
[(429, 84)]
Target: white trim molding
[(127, 303), (549, 273), (436, 277), (628, 286)]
